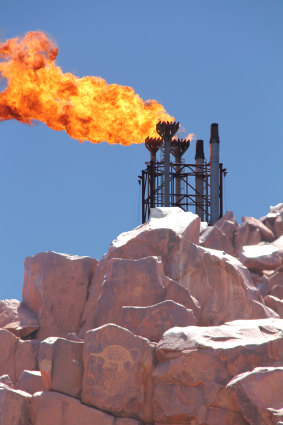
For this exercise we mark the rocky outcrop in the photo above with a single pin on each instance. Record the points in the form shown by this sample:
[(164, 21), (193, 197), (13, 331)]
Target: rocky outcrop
[(196, 364), (258, 395), (117, 374), (164, 330), (61, 365), (17, 318), (56, 288)]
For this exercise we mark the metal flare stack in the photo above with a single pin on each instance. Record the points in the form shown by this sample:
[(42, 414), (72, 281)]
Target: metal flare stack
[(168, 184)]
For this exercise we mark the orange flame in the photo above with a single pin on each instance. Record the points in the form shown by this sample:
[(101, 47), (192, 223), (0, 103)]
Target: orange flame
[(86, 108)]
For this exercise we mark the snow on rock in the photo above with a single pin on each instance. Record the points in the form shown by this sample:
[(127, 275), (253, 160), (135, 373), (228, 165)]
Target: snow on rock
[(260, 257)]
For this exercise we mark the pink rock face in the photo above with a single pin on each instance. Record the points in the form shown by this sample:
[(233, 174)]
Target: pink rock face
[(245, 235), (16, 355), (258, 394), (221, 285), (58, 409), (14, 407), (214, 238), (278, 243), (17, 318), (127, 421), (266, 234), (260, 257), (117, 372), (277, 291), (26, 356), (196, 363), (275, 279), (152, 321), (129, 283), (5, 379), (176, 292), (278, 225), (160, 236), (61, 366), (56, 288), (275, 304), (30, 381), (8, 343), (221, 235)]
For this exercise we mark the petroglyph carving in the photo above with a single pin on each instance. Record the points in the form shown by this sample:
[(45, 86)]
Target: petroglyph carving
[(115, 357)]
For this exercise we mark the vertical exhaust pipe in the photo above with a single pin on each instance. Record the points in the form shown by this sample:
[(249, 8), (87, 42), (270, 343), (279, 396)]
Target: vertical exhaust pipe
[(199, 179), (214, 174)]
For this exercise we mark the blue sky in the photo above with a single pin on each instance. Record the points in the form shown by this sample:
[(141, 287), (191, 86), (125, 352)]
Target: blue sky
[(205, 61)]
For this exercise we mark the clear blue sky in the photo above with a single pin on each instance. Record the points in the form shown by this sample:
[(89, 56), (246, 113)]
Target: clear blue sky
[(205, 61)]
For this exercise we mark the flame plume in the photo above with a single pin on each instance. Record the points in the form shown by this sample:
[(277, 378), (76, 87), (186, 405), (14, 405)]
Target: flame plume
[(86, 108)]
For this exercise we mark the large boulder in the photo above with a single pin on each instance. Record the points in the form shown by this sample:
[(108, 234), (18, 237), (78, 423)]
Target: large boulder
[(129, 283), (221, 235), (196, 364), (26, 355), (258, 395), (152, 321), (245, 235), (56, 289), (117, 372), (61, 366), (14, 406), (260, 257), (30, 381), (17, 318), (8, 342), (17, 355), (220, 283), (59, 409), (265, 233), (161, 237)]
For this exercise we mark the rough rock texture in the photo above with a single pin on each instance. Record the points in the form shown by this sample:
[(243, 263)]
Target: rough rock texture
[(265, 233), (17, 318), (52, 408), (221, 285), (278, 225), (277, 291), (151, 322), (8, 343), (259, 395), (61, 366), (14, 406), (55, 288), (245, 235), (221, 236), (30, 381), (132, 283), (26, 356), (5, 379), (196, 363), (260, 257), (161, 236), (117, 372), (275, 279), (275, 303)]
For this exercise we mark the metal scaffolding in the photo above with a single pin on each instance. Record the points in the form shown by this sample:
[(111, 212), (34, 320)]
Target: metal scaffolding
[(177, 184)]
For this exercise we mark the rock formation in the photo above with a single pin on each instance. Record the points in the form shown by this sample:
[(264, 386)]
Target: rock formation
[(179, 323)]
